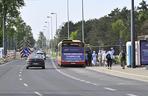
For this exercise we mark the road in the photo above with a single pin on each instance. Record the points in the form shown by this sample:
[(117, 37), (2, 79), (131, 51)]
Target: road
[(15, 80)]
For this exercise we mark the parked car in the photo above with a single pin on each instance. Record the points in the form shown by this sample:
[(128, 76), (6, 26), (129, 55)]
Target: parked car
[(35, 60)]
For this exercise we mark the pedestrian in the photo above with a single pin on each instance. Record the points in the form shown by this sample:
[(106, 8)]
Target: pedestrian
[(100, 57), (113, 57), (122, 57), (89, 55), (86, 58), (109, 57), (104, 58), (94, 58)]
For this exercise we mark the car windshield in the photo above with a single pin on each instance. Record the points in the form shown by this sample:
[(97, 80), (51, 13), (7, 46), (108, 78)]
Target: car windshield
[(37, 56), (60, 47)]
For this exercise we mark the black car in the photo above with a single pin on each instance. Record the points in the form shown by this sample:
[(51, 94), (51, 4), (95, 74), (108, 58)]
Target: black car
[(35, 60)]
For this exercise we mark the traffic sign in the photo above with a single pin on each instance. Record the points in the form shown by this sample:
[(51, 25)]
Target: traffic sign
[(25, 52)]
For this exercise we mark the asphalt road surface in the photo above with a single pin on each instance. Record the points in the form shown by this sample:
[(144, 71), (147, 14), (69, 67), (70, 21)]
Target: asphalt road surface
[(16, 80)]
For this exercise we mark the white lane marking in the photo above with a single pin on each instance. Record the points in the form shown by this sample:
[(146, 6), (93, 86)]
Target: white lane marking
[(121, 84), (72, 77), (37, 93), (21, 79), (20, 75), (110, 89), (131, 95), (25, 84), (20, 72)]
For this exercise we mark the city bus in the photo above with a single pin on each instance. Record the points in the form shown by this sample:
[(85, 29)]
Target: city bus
[(71, 52)]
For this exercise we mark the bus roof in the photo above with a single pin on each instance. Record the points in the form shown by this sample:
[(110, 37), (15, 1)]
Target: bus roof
[(66, 41), (69, 41)]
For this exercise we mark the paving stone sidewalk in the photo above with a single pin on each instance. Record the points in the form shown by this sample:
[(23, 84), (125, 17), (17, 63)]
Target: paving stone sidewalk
[(139, 73)]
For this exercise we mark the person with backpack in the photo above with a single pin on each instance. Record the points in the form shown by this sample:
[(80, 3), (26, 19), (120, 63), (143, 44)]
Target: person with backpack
[(109, 58), (89, 56), (122, 56)]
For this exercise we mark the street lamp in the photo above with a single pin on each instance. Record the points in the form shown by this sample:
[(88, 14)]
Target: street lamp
[(68, 16), (56, 27), (82, 22), (56, 19), (50, 25), (132, 35), (51, 32)]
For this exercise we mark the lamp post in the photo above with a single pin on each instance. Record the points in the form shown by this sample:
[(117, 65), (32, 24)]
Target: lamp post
[(82, 22), (68, 17), (56, 19), (132, 35), (51, 33), (55, 40)]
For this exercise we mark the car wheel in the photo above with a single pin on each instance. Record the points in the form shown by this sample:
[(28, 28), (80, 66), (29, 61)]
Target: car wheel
[(27, 67), (43, 67)]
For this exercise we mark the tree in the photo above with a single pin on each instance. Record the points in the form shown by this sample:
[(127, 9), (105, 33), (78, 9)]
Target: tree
[(63, 31), (142, 17), (9, 8), (41, 42), (120, 30), (74, 35)]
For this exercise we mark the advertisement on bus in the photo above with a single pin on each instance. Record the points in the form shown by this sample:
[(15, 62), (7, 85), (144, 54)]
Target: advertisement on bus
[(73, 54)]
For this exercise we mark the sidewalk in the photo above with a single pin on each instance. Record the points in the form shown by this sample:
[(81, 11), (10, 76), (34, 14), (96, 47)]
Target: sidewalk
[(139, 73)]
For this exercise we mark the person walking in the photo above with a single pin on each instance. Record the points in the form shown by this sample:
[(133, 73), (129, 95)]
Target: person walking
[(86, 58), (94, 58), (104, 58), (100, 57), (89, 55), (109, 57), (122, 57)]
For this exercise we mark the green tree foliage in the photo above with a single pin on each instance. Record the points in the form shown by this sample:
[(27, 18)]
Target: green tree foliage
[(41, 42), (74, 35), (63, 31), (142, 17), (109, 29), (119, 29), (15, 28)]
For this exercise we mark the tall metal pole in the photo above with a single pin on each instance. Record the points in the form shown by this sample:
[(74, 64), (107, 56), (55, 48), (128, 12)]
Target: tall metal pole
[(82, 22), (68, 17), (50, 32), (56, 28), (56, 20), (51, 35), (132, 35), (3, 29)]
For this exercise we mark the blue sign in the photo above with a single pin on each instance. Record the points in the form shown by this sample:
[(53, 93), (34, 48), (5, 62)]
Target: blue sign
[(25, 52)]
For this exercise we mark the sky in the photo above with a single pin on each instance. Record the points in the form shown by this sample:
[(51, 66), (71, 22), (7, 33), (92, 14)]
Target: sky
[(35, 12)]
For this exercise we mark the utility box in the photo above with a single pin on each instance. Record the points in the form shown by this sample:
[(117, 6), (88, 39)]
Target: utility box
[(129, 53)]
